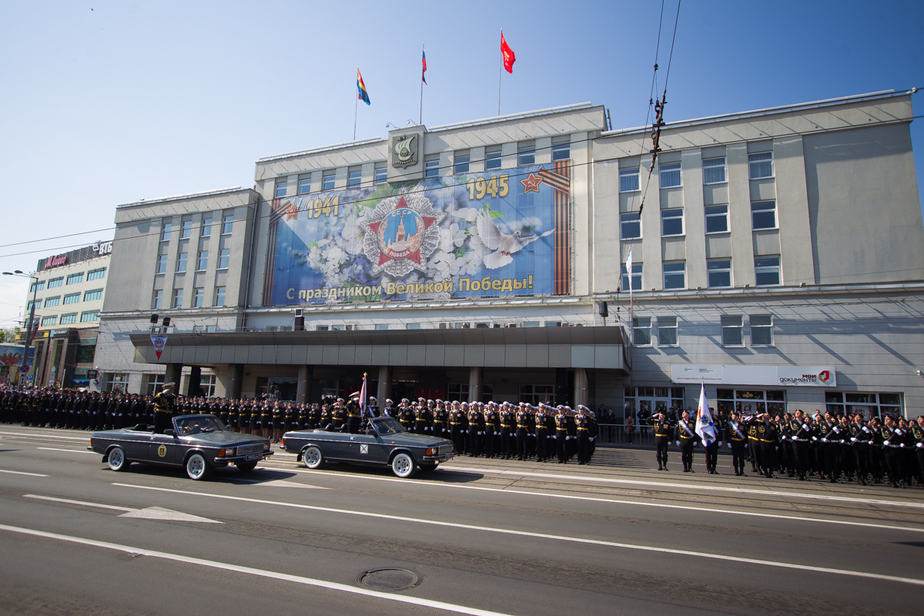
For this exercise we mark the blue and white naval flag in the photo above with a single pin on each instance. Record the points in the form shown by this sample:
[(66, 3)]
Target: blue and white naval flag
[(704, 424), (362, 399)]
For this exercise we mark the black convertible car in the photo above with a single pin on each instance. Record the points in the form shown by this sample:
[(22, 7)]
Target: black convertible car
[(199, 443), (383, 443)]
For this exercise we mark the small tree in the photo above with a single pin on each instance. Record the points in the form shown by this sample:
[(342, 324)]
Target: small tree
[(9, 335)]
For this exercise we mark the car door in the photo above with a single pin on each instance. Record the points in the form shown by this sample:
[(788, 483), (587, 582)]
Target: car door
[(166, 449)]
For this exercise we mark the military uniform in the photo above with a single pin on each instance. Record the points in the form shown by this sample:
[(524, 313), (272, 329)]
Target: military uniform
[(662, 431)]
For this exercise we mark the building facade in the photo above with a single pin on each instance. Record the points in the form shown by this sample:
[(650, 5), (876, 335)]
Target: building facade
[(777, 257)]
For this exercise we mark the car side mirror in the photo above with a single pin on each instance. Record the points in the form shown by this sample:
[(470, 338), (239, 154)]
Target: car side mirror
[(170, 432)]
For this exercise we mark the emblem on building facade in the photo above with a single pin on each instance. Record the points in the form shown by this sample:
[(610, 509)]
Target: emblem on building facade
[(404, 149), (401, 234)]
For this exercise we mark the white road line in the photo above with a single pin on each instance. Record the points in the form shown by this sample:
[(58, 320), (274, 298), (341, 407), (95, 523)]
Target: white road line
[(67, 450), (685, 486), (22, 473), (68, 501), (615, 501), (520, 533), (297, 579), (46, 437)]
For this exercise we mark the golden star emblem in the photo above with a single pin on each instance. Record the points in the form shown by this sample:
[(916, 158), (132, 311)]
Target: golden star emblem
[(531, 183)]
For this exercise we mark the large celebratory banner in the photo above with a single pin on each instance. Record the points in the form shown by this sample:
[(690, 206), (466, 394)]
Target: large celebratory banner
[(492, 235)]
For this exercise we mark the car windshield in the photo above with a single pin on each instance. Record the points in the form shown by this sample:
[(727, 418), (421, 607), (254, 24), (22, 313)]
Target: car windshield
[(195, 425), (386, 426)]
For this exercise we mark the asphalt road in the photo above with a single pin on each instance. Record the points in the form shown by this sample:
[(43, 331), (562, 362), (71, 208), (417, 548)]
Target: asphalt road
[(476, 536)]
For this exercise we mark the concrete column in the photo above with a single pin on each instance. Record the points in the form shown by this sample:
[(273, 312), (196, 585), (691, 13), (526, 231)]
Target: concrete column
[(173, 373), (303, 390), (580, 386), (383, 391), (229, 382), (195, 381), (474, 384)]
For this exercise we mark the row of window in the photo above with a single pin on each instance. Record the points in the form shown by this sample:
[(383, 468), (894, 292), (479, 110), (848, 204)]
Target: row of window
[(667, 328), (205, 227), (71, 298), (763, 216), (718, 274), (198, 299), (760, 166), (67, 319), (76, 278), (526, 155), (202, 259)]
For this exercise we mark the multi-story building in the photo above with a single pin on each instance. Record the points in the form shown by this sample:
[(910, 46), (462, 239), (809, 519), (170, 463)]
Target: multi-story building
[(777, 256), (68, 291)]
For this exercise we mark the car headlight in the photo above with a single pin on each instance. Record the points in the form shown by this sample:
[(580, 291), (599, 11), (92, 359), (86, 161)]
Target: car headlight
[(431, 452), (266, 446), (227, 453)]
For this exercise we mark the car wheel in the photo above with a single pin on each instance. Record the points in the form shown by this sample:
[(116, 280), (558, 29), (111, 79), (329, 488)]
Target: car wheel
[(403, 465), (313, 458), (116, 459), (197, 468), (246, 467)]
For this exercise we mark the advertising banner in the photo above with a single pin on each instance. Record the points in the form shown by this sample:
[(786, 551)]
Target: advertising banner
[(496, 234), (10, 355), (771, 376)]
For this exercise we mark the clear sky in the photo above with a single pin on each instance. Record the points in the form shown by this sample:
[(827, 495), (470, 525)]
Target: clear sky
[(109, 102)]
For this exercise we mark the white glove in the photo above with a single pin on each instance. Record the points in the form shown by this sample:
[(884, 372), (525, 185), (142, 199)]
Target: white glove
[(729, 445), (824, 440), (554, 437), (678, 443), (720, 443), (865, 429), (853, 439), (805, 427), (920, 445), (592, 439), (885, 442)]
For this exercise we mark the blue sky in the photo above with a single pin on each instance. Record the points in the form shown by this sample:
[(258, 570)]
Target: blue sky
[(105, 103)]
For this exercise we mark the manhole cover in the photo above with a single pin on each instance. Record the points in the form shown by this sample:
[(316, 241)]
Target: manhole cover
[(389, 579)]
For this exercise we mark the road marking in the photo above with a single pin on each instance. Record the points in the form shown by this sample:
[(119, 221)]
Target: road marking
[(684, 486), (22, 473), (148, 513), (56, 437), (520, 533), (67, 450), (297, 579), (615, 501)]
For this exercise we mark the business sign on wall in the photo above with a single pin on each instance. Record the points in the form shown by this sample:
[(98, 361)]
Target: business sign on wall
[(500, 233), (770, 376)]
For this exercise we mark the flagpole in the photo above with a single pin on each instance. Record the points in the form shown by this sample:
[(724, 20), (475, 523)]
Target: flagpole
[(500, 74), (420, 117), (355, 109)]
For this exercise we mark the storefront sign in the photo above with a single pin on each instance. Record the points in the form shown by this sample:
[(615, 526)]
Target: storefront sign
[(771, 376)]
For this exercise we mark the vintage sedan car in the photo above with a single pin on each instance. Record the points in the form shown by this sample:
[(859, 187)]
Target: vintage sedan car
[(384, 442), (199, 443)]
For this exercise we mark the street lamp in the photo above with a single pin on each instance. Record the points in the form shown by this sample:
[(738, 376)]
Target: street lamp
[(25, 356)]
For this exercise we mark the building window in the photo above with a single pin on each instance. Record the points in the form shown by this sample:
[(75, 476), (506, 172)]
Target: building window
[(37, 286), (185, 229), (718, 273), (165, 231), (157, 302), (202, 261), (628, 179), (766, 271), (97, 274), (181, 263), (716, 218), (49, 321), (55, 282), (198, 297), (763, 214), (281, 186), (412, 326), (672, 222), (492, 157), (751, 402), (92, 296), (178, 298), (219, 296), (224, 256), (304, 183), (227, 224), (761, 330), (561, 148), (155, 383), (868, 404), (760, 165), (667, 331), (732, 330), (161, 264), (73, 298), (461, 162), (675, 275), (533, 394), (89, 316), (206, 229), (354, 177), (669, 174), (328, 179), (526, 153), (381, 326), (630, 226), (68, 319), (636, 277), (714, 170), (641, 331), (75, 278), (117, 383), (381, 173), (432, 166), (51, 302)]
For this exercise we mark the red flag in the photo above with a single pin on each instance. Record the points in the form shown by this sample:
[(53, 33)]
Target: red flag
[(509, 56), (423, 72)]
